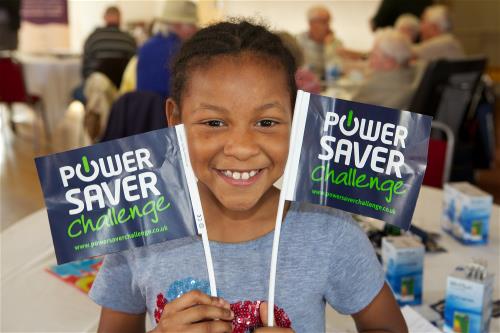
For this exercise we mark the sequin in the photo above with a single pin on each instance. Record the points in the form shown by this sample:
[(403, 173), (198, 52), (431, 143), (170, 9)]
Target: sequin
[(180, 287), (161, 301), (247, 316)]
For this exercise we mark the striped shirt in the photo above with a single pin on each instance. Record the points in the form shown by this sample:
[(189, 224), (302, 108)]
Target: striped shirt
[(107, 42)]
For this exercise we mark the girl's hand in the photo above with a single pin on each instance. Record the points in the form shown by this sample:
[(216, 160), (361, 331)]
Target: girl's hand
[(274, 329), (196, 312)]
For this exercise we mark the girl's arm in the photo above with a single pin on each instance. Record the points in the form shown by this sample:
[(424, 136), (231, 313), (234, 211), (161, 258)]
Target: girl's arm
[(121, 322), (381, 315)]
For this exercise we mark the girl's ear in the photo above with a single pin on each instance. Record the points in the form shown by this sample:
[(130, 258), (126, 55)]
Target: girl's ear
[(173, 113)]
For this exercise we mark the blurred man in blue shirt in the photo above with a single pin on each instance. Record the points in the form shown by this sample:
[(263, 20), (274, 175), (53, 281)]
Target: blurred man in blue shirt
[(154, 57)]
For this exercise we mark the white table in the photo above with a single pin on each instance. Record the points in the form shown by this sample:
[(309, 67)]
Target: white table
[(53, 79), (34, 301), (437, 266)]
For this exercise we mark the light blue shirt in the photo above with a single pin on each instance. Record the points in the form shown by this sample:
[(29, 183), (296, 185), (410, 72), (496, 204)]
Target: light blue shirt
[(324, 256)]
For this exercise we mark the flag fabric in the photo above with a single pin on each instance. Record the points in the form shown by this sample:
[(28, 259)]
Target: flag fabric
[(117, 195), (364, 159)]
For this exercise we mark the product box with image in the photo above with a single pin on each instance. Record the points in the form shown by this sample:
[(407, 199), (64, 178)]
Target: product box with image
[(468, 301), (403, 260), (466, 212)]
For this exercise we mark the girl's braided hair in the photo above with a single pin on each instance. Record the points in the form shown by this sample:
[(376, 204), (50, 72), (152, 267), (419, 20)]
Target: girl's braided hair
[(230, 38)]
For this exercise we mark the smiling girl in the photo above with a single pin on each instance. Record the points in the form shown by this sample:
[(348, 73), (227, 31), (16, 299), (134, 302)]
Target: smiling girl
[(233, 88)]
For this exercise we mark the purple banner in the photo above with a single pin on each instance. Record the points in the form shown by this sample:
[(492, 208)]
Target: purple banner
[(45, 12)]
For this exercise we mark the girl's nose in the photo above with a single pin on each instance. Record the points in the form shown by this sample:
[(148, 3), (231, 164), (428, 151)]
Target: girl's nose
[(241, 144)]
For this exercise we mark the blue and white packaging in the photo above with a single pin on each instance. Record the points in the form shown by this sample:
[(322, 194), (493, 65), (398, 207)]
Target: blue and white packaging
[(466, 213), (403, 260), (468, 301)]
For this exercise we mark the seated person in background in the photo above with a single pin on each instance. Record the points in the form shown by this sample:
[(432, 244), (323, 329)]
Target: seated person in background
[(154, 57), (409, 25), (304, 78), (319, 44), (437, 40), (107, 42), (392, 81)]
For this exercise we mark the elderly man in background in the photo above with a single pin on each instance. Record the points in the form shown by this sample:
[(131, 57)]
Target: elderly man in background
[(392, 81), (437, 40), (304, 78), (154, 57), (409, 25), (107, 42), (319, 43), (104, 51)]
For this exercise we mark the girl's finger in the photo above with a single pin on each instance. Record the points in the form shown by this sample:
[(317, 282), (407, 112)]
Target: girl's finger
[(263, 313), (215, 326), (203, 312), (273, 330), (194, 297)]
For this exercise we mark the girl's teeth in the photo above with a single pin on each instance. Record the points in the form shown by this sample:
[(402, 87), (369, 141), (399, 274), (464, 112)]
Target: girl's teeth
[(239, 175)]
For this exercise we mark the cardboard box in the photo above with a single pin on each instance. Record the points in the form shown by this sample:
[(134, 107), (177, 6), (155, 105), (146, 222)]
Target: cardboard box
[(466, 213), (468, 303), (403, 260)]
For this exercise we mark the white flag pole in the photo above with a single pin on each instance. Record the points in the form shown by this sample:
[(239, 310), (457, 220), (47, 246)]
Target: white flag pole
[(196, 203), (287, 189)]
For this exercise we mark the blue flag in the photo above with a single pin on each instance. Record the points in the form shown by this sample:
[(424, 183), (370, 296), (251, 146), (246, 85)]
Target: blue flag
[(119, 194), (364, 159)]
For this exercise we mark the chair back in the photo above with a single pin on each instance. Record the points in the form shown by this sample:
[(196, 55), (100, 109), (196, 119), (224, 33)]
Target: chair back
[(447, 89), (439, 156), (113, 68), (134, 113), (12, 88)]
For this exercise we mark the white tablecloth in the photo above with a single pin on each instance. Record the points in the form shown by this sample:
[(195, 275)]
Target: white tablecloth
[(53, 79), (35, 301)]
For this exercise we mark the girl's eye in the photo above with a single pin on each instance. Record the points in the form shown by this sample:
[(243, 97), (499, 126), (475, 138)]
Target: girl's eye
[(214, 123), (266, 123)]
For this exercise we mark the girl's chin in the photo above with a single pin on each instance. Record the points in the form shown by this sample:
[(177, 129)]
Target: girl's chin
[(239, 206)]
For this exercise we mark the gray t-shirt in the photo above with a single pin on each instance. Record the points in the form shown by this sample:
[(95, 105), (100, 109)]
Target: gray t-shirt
[(324, 256)]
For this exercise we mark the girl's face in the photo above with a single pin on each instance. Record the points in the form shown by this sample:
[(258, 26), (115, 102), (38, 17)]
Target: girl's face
[(237, 114)]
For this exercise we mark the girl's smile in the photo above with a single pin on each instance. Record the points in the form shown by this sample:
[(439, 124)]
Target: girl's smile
[(240, 178)]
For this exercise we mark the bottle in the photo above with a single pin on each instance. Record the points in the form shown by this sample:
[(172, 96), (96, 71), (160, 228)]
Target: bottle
[(333, 71)]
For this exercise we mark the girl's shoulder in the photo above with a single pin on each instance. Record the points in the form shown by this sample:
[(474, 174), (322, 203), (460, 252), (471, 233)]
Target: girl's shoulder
[(321, 222)]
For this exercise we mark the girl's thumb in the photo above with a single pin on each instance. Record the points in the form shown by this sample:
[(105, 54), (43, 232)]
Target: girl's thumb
[(263, 314)]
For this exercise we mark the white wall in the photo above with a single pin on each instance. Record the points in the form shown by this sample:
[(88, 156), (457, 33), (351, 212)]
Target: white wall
[(350, 17)]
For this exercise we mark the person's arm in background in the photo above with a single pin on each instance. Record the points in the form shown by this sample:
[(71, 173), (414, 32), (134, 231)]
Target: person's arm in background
[(381, 315)]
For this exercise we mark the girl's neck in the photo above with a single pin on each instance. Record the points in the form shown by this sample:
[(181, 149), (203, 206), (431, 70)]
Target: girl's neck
[(231, 226)]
